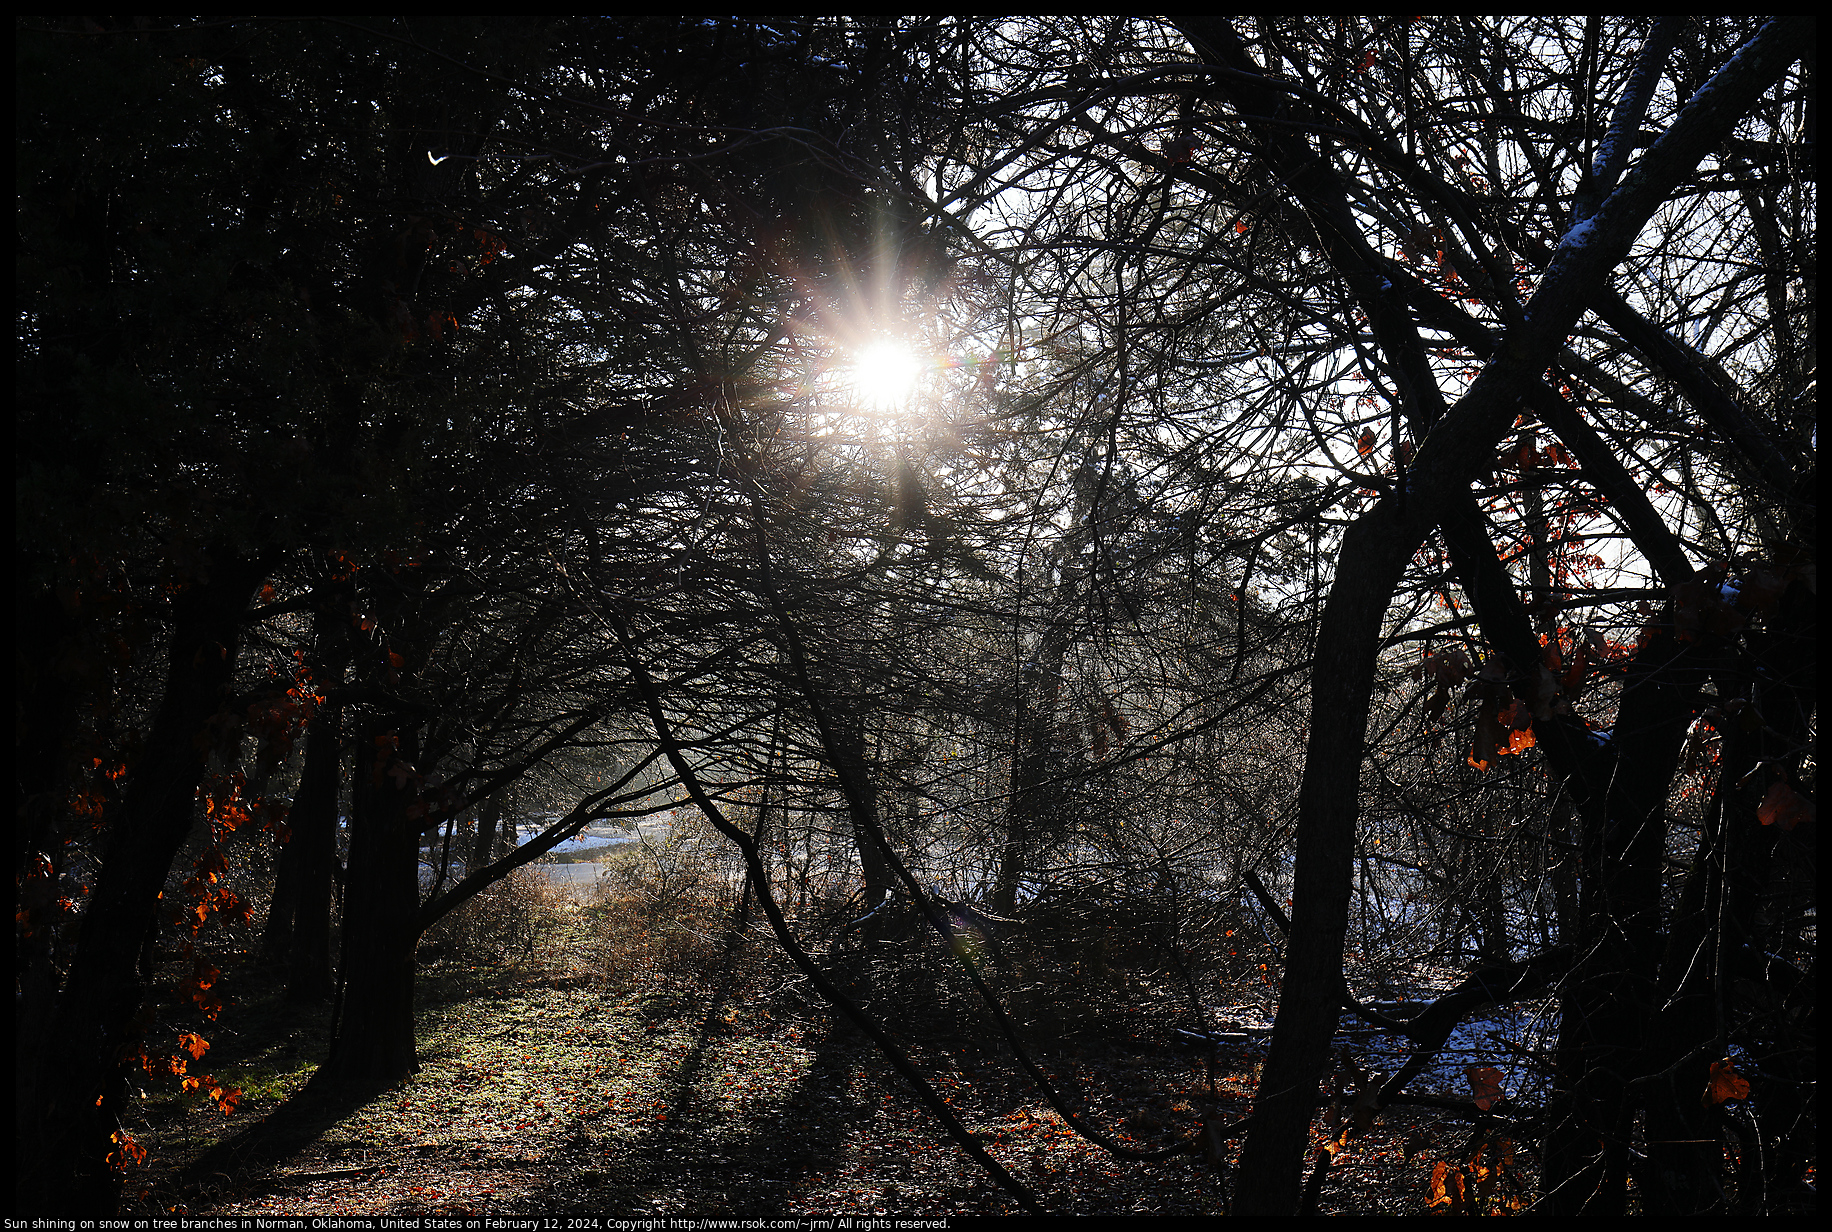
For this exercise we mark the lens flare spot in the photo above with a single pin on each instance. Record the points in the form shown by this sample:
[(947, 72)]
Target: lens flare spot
[(885, 375)]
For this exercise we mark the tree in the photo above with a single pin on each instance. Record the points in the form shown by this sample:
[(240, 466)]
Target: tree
[(1624, 865), (1328, 186)]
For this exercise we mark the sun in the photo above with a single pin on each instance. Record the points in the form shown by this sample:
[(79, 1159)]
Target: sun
[(885, 375)]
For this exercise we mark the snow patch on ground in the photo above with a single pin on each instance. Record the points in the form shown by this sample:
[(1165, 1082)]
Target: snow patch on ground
[(1496, 1037)]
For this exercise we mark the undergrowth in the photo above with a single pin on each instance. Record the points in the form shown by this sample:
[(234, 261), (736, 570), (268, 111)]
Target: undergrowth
[(649, 1049)]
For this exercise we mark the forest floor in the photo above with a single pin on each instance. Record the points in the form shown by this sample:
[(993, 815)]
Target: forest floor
[(617, 1071)]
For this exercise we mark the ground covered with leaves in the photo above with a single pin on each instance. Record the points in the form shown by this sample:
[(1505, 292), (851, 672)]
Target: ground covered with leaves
[(618, 1063)]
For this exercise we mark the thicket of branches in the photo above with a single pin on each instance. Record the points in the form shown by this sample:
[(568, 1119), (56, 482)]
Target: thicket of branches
[(1362, 490)]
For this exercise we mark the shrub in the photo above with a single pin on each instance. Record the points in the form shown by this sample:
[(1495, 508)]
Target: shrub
[(663, 906), (497, 926)]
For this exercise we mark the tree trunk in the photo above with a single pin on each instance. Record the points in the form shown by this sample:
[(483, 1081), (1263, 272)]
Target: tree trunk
[(1685, 1158), (70, 1098), (299, 924), (314, 851), (277, 933), (1720, 909), (1031, 802), (47, 638), (850, 748), (1374, 552), (375, 1035), (489, 817), (1610, 1002)]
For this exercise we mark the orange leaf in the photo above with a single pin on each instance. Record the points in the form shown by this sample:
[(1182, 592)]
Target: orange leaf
[(1442, 1181), (1485, 1084), (1784, 807), (194, 1044), (130, 1154), (233, 905), (1726, 1084)]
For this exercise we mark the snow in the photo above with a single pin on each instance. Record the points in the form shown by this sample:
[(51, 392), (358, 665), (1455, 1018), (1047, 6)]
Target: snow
[(1573, 243), (1579, 235), (594, 836), (1478, 1041), (1606, 151), (1526, 1024)]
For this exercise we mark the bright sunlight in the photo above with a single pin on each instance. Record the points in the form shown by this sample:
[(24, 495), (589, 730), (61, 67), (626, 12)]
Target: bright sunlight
[(885, 375)]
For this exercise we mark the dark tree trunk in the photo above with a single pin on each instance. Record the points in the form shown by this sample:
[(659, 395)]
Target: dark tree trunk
[(69, 1102), (1033, 801), (314, 851), (314, 817), (851, 750), (375, 1035), (299, 923), (1719, 912), (46, 638), (1374, 551), (1611, 1000), (277, 933), (1685, 1160), (489, 818)]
